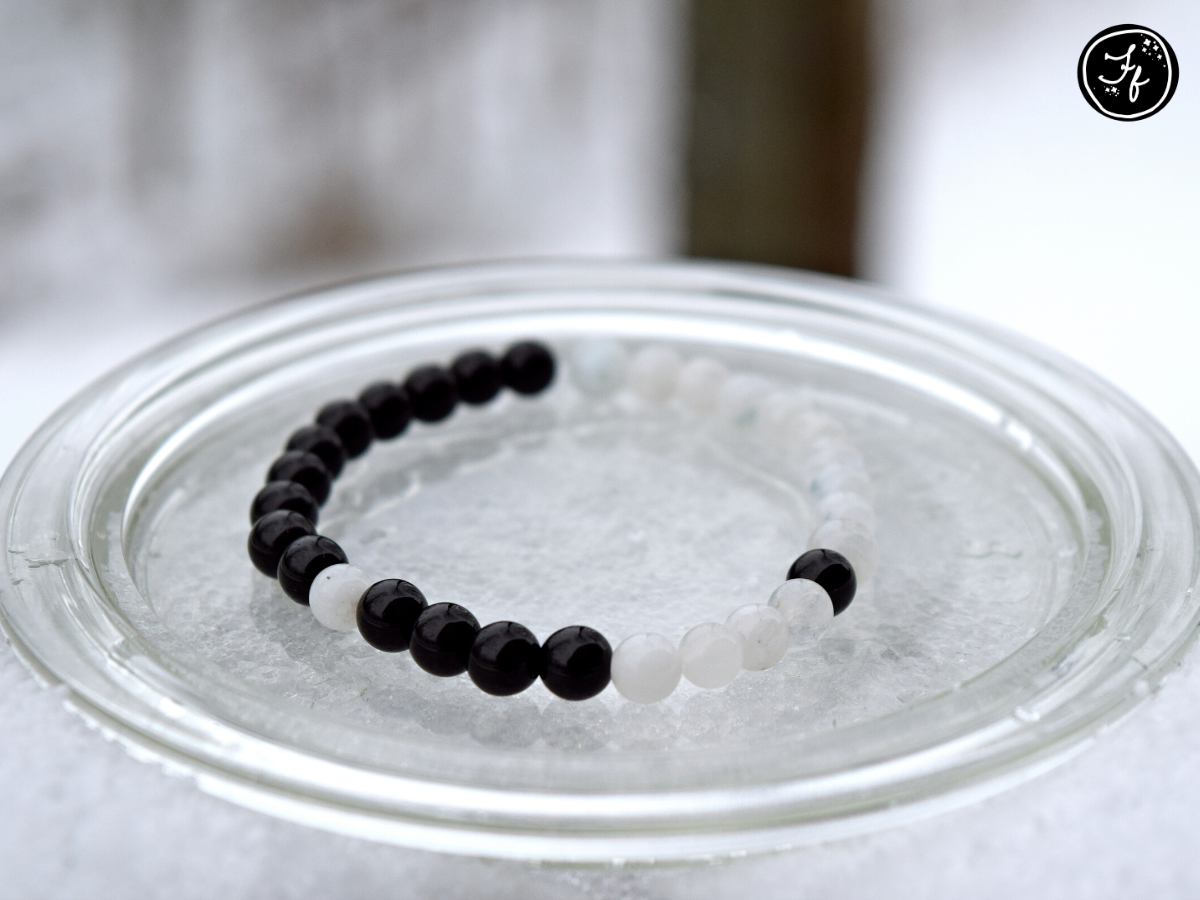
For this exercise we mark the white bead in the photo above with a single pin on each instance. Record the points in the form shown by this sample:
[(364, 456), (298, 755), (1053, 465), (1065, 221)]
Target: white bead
[(764, 635), (837, 478), (775, 415), (739, 399), (712, 655), (846, 505), (805, 427), (598, 366), (645, 668), (654, 372), (826, 450), (805, 606), (699, 382), (334, 595), (853, 540)]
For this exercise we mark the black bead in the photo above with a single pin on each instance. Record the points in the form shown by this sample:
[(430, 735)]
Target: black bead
[(322, 441), (578, 662), (505, 659), (303, 560), (304, 468), (527, 367), (830, 570), (477, 375), (442, 637), (352, 424), (270, 536), (387, 612), (389, 408), (284, 495), (432, 393)]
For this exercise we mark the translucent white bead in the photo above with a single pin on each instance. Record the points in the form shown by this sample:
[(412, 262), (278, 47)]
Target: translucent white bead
[(827, 450), (847, 505), (654, 372), (805, 607), (853, 540), (776, 412), (598, 366), (739, 399), (700, 380), (764, 634), (837, 478), (334, 595), (712, 655), (805, 427), (646, 668)]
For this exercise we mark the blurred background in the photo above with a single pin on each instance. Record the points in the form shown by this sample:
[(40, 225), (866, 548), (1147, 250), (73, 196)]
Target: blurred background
[(162, 161), (166, 161)]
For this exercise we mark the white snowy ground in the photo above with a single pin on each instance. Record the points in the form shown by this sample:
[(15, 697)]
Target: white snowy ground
[(80, 818), (994, 188)]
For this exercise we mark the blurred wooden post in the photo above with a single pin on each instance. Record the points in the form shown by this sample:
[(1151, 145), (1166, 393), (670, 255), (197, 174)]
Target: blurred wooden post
[(776, 126)]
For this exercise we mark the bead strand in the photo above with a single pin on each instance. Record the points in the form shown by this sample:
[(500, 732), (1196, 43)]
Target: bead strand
[(576, 662), (833, 468), (393, 615), (820, 583)]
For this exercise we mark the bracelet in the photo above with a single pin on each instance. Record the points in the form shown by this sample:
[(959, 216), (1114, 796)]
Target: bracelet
[(575, 662)]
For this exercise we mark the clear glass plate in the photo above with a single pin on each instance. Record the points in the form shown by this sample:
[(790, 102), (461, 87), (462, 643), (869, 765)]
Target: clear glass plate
[(1037, 536)]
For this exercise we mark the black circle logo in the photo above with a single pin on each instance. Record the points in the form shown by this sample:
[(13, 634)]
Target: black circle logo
[(1128, 72)]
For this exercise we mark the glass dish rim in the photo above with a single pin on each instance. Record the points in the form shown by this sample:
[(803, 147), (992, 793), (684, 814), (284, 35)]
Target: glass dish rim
[(549, 276)]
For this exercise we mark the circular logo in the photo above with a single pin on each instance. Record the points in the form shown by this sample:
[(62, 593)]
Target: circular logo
[(1128, 72)]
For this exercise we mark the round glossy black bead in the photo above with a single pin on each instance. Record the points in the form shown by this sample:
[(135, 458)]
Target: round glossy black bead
[(304, 468), (578, 662), (442, 637), (387, 613), (527, 367), (830, 570), (322, 441), (271, 535), (505, 659), (477, 376), (284, 495), (389, 408), (303, 560), (351, 422), (432, 391)]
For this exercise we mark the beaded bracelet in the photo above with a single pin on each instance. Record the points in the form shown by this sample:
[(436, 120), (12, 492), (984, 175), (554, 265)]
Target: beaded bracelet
[(575, 662)]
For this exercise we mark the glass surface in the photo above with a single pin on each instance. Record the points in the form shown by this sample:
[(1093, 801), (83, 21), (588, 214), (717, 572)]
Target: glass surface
[(1037, 541)]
